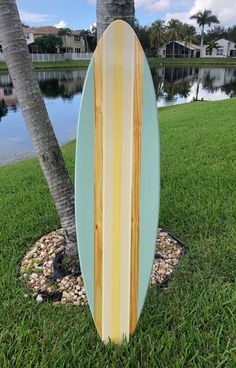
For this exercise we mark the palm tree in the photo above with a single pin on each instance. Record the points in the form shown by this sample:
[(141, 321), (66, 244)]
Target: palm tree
[(204, 18), (212, 45), (63, 32), (110, 10), (189, 35), (37, 120), (85, 34), (157, 35), (174, 30)]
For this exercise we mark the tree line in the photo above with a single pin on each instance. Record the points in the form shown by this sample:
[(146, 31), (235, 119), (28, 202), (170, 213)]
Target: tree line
[(160, 32), (151, 36)]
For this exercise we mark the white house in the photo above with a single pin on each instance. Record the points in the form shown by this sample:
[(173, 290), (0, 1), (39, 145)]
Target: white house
[(29, 35), (226, 49), (179, 49)]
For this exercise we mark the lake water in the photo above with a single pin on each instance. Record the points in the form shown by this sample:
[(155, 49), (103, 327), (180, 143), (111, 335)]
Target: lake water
[(62, 94)]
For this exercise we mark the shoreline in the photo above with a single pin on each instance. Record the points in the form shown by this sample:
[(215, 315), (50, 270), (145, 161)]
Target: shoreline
[(28, 156), (153, 62)]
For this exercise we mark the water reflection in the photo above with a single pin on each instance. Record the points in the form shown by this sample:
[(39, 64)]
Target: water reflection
[(62, 93), (185, 84)]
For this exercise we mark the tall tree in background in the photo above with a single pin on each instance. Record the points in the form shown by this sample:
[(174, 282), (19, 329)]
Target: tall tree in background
[(37, 120), (143, 33), (189, 33), (212, 45), (174, 32), (85, 34), (204, 18), (110, 10), (48, 44), (63, 32), (158, 33)]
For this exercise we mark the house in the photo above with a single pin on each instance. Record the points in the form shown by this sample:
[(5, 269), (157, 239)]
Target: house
[(179, 49), (226, 49), (73, 43)]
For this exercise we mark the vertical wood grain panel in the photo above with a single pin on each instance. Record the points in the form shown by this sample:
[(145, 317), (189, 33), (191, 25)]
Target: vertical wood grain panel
[(136, 175), (98, 184), (108, 162), (117, 167), (126, 185)]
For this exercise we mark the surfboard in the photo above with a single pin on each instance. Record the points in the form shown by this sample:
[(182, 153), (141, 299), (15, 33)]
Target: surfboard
[(117, 182)]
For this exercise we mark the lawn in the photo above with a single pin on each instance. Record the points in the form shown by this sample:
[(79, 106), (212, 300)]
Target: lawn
[(47, 65), (154, 62), (190, 324), (198, 62)]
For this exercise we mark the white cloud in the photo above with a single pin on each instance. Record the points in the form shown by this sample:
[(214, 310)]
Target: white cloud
[(153, 5), (182, 16), (61, 24), (225, 11), (92, 26), (149, 5), (34, 17)]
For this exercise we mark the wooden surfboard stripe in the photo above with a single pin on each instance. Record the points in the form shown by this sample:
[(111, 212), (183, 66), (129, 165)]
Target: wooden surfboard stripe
[(98, 184), (135, 215), (108, 134), (127, 156), (117, 179)]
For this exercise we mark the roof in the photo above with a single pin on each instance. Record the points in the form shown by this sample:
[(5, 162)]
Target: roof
[(47, 30), (223, 39), (191, 46)]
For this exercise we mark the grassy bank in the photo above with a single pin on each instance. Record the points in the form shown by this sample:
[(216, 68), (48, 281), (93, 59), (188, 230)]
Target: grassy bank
[(154, 62), (70, 64), (198, 62), (192, 323)]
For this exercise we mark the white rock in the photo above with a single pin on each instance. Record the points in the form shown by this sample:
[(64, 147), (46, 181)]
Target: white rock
[(39, 299)]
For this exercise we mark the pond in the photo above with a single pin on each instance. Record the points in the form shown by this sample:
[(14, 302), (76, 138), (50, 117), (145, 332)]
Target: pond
[(62, 93)]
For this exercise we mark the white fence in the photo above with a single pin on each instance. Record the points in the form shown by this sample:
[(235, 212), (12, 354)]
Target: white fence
[(57, 57)]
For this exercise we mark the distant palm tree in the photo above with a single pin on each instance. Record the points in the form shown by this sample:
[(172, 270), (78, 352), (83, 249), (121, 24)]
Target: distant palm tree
[(110, 10), (158, 33), (85, 34), (63, 32), (189, 36), (212, 45), (204, 18), (174, 30)]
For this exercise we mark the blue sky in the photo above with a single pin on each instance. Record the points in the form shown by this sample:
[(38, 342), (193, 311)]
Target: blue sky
[(78, 14)]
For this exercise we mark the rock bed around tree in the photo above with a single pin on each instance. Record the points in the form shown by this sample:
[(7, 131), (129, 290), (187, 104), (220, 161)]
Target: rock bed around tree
[(46, 284)]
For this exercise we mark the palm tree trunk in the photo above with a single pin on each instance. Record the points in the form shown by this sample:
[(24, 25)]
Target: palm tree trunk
[(158, 47), (35, 114), (202, 39), (110, 10)]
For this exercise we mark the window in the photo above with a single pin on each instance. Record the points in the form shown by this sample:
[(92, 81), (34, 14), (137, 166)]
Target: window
[(77, 38), (220, 51), (7, 91), (208, 52), (77, 51), (26, 35)]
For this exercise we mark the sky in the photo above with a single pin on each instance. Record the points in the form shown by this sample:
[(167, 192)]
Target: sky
[(81, 14)]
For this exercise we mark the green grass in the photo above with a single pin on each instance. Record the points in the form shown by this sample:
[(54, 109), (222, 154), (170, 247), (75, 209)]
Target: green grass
[(193, 322), (154, 62), (199, 62), (70, 64)]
